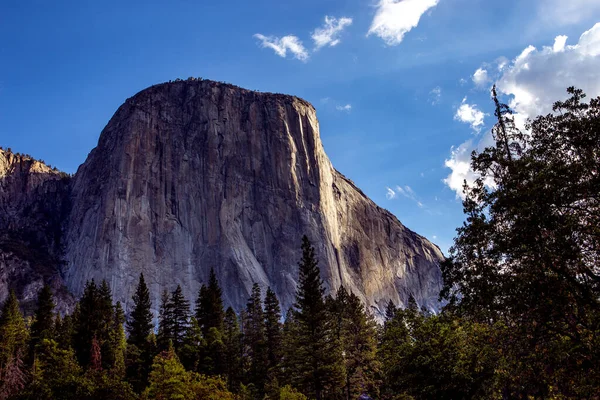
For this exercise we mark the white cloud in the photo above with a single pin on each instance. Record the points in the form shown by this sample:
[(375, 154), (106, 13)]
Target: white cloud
[(460, 164), (480, 77), (390, 194), (394, 18), (561, 12), (407, 192), (347, 108), (329, 34), (282, 45), (537, 78), (435, 95), (468, 113), (534, 80), (559, 43), (502, 62)]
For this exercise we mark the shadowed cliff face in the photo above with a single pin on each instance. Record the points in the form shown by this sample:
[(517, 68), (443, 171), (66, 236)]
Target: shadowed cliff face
[(189, 176)]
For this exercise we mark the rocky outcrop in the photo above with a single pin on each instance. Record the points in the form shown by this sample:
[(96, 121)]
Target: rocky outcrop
[(189, 176), (34, 203)]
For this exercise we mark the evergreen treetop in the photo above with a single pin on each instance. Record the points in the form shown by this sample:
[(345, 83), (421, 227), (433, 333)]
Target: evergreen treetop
[(140, 323)]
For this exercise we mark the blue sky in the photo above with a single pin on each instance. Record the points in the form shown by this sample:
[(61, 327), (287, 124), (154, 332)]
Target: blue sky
[(401, 87)]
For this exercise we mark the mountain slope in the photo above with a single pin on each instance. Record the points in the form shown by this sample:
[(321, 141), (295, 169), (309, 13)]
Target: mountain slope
[(193, 175)]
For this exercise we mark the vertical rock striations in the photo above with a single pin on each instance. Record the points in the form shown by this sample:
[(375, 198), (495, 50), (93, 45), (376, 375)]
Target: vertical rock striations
[(189, 176)]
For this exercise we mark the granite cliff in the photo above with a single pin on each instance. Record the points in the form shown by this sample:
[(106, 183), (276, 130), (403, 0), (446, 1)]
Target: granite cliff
[(193, 175), (34, 203)]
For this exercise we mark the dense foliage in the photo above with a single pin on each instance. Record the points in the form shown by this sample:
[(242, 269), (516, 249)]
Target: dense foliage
[(522, 321)]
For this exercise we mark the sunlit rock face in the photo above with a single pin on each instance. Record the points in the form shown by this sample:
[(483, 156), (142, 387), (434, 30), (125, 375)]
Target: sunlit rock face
[(193, 175)]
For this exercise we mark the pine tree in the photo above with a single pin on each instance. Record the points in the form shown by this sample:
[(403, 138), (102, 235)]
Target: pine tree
[(180, 314), (56, 375), (412, 303), (193, 347), (43, 319), (232, 340), (87, 323), (165, 322), (139, 326), (209, 305), (64, 330), (210, 315), (13, 332), (359, 346), (140, 323), (118, 342), (13, 346), (255, 341), (527, 255), (337, 309), (273, 334), (289, 337), (390, 311), (106, 313), (318, 359)]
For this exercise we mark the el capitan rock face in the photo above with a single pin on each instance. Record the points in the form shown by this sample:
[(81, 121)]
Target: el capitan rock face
[(193, 175)]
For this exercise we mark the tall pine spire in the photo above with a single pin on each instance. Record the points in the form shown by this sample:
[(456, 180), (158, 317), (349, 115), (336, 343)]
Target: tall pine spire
[(255, 341), (209, 305), (140, 324), (273, 332), (43, 319), (181, 316), (318, 358)]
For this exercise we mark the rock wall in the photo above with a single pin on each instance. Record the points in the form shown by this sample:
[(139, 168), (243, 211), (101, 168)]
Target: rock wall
[(189, 176), (34, 203)]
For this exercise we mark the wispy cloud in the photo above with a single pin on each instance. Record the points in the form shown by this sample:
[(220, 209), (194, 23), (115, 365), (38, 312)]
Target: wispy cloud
[(405, 191), (347, 108), (435, 96), (468, 113), (329, 34), (560, 12), (390, 193), (281, 46), (394, 18)]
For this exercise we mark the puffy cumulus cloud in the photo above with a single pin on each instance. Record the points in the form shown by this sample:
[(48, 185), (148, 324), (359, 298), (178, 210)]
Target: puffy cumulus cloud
[(460, 164), (537, 78), (394, 18), (559, 43), (533, 81), (569, 12), (329, 34), (468, 113), (480, 77), (281, 46)]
